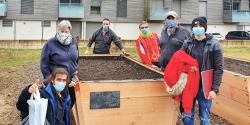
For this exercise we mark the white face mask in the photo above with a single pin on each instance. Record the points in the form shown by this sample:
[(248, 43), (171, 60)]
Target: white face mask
[(64, 38)]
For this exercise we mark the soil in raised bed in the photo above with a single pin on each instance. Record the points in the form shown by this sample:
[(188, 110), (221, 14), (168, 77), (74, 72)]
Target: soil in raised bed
[(111, 70), (237, 67)]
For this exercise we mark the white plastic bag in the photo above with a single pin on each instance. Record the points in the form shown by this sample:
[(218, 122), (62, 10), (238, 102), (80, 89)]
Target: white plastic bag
[(37, 109)]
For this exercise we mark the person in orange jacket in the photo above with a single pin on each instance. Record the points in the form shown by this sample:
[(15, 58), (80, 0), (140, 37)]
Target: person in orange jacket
[(147, 46)]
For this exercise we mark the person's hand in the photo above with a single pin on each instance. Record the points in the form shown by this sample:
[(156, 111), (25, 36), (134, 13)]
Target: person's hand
[(193, 69), (155, 67), (76, 72), (33, 87), (126, 54), (86, 52), (72, 84), (211, 95)]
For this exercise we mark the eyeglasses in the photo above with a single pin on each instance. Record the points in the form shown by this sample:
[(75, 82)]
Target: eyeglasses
[(143, 27)]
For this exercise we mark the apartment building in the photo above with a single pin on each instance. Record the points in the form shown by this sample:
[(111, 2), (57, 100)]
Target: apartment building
[(38, 19)]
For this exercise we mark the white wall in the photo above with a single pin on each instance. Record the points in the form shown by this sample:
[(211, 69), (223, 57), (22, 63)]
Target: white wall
[(7, 33), (131, 30), (222, 29), (247, 28), (33, 30), (49, 32)]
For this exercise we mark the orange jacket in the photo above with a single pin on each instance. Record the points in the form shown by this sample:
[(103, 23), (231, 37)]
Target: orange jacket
[(148, 48)]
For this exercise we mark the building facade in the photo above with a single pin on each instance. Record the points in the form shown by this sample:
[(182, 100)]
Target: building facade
[(32, 19)]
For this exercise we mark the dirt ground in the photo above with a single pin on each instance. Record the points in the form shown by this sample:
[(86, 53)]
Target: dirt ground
[(10, 90)]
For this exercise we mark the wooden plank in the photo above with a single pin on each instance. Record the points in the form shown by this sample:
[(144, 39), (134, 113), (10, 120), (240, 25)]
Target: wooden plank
[(248, 86), (127, 89), (133, 106), (78, 105), (146, 66), (235, 80), (231, 110), (74, 109), (133, 119), (235, 94), (139, 111)]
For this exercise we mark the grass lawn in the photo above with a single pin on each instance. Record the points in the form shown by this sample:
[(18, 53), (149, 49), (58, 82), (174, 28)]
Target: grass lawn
[(243, 53), (16, 58)]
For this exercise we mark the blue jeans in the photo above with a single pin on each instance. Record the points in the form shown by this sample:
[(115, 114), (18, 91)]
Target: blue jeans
[(204, 110)]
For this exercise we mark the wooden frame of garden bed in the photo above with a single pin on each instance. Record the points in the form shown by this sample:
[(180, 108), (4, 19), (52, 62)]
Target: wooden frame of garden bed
[(142, 102), (233, 102)]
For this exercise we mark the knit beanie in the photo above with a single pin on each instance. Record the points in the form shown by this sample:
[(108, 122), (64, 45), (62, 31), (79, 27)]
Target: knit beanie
[(200, 20)]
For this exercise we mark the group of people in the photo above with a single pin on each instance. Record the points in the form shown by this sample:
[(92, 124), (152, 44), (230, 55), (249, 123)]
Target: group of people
[(59, 63), (197, 45)]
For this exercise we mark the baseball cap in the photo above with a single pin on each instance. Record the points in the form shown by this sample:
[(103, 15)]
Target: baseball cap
[(172, 13)]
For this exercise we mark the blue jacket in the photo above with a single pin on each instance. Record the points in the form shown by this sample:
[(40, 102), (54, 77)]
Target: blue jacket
[(212, 57), (49, 94), (55, 55), (170, 44)]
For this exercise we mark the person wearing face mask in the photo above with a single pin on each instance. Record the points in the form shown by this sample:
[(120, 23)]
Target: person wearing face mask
[(147, 46), (61, 51), (209, 55), (103, 38), (57, 94), (172, 38)]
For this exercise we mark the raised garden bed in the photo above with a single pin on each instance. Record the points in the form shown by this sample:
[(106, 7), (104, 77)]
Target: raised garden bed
[(233, 102), (121, 92)]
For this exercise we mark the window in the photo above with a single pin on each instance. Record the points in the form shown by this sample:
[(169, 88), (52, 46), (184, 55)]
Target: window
[(238, 34), (249, 6), (70, 1), (203, 8), (121, 8), (45, 24), (240, 27), (27, 6), (95, 7), (231, 34), (236, 6), (245, 34), (7, 23)]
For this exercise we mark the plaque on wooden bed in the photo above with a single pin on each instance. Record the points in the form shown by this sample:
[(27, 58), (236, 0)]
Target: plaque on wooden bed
[(107, 99)]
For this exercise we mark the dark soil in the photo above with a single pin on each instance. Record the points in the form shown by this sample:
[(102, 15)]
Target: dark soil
[(110, 70), (238, 67), (11, 89)]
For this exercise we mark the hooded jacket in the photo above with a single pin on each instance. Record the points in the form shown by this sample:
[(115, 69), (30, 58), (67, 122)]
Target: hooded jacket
[(48, 93), (181, 63), (212, 57)]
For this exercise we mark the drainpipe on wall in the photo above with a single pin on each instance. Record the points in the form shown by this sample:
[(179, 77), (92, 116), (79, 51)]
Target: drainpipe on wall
[(42, 24), (14, 30)]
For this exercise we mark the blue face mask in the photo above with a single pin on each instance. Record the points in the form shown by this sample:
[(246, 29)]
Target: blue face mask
[(144, 31), (198, 31), (171, 23), (59, 86), (105, 27)]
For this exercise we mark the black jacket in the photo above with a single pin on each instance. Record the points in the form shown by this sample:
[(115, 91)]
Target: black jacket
[(48, 93), (103, 42), (212, 57)]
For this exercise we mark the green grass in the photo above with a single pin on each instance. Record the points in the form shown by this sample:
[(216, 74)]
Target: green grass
[(17, 58), (243, 53)]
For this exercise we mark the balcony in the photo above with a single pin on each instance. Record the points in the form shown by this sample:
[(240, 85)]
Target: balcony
[(158, 13), (3, 8), (71, 10), (236, 16)]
